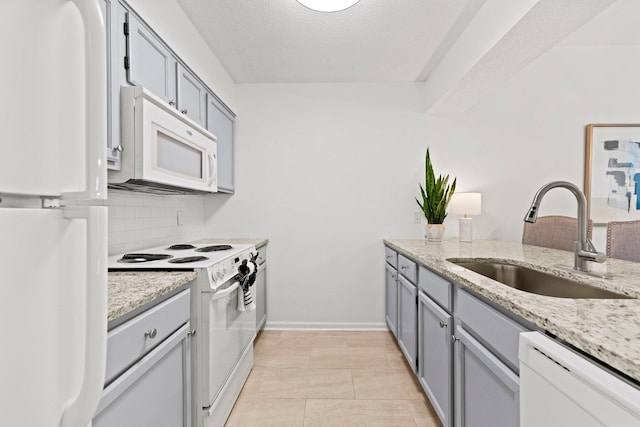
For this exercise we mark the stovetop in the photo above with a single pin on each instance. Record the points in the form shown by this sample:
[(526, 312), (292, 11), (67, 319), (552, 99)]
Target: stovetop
[(181, 256)]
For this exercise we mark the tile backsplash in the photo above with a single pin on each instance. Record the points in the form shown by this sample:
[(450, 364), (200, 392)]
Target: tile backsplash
[(139, 220)]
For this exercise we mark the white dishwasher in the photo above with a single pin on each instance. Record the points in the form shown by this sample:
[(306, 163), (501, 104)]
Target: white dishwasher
[(558, 387)]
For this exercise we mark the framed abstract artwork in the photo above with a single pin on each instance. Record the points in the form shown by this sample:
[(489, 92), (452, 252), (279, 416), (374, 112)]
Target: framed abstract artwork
[(612, 172)]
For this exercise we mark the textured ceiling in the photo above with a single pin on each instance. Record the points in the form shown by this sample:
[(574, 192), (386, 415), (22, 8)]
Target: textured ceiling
[(281, 41)]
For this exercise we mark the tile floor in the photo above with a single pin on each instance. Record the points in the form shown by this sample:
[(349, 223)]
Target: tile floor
[(304, 378)]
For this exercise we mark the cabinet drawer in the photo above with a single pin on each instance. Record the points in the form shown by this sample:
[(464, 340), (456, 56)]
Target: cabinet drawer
[(407, 268), (128, 342), (436, 287), (391, 256), (493, 328)]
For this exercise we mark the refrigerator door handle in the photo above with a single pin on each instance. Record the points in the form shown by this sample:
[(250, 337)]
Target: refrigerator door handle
[(95, 186), (81, 410)]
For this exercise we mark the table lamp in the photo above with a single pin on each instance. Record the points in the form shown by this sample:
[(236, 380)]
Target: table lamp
[(465, 204)]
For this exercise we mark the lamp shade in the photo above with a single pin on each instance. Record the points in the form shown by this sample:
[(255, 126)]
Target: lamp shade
[(466, 204)]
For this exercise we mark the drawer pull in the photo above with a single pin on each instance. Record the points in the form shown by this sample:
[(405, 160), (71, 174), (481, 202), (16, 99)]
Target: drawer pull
[(388, 257), (442, 324), (404, 267), (191, 332), (151, 333), (454, 339)]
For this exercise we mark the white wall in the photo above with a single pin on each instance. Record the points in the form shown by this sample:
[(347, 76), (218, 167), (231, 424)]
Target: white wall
[(325, 171)]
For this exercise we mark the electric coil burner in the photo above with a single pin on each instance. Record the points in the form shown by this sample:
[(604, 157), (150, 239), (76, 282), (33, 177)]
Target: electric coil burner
[(188, 259), (214, 248), (135, 258), (180, 247)]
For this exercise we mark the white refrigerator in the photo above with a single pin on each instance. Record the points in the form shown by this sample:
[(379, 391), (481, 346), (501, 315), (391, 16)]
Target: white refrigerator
[(53, 214)]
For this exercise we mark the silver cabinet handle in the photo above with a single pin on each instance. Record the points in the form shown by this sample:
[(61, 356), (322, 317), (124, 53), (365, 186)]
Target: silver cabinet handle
[(151, 333), (191, 332), (404, 267), (388, 257), (172, 102), (119, 148), (184, 111), (442, 324), (454, 339)]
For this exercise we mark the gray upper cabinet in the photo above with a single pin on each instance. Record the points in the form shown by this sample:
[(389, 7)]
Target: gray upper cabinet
[(149, 61), (220, 122), (137, 56), (116, 16), (192, 96)]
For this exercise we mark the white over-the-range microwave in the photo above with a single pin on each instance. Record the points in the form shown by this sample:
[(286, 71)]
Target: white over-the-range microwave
[(163, 151)]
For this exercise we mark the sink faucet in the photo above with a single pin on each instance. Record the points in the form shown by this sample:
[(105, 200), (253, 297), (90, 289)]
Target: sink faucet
[(584, 249)]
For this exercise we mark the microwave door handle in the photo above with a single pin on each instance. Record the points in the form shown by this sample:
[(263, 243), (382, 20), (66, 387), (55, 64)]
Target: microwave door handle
[(95, 92), (212, 172)]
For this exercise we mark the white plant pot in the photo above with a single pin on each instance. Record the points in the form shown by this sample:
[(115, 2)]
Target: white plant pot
[(434, 232)]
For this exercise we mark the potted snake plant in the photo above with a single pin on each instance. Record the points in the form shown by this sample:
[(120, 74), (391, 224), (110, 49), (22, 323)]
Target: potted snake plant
[(436, 195)]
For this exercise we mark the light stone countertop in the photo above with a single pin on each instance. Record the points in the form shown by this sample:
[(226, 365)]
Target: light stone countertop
[(606, 329), (131, 292)]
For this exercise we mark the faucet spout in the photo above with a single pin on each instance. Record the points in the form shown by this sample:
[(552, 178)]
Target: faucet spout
[(584, 249)]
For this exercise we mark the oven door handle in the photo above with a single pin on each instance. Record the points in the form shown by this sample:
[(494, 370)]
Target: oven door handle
[(225, 292)]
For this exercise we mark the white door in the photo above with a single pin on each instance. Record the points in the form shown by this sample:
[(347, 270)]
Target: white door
[(53, 308)]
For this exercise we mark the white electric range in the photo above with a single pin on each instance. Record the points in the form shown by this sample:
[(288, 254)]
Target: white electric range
[(222, 345)]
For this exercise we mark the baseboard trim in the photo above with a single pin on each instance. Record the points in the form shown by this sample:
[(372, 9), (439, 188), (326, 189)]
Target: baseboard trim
[(325, 326)]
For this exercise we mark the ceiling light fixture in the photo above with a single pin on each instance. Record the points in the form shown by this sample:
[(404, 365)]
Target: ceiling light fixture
[(328, 5)]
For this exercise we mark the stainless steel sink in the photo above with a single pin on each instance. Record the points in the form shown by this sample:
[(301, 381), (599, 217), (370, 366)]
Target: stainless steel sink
[(536, 282)]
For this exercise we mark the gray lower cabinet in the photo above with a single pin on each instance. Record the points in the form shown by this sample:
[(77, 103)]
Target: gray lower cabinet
[(408, 320), (221, 123), (435, 362), (192, 96), (391, 299), (148, 373), (487, 391), (261, 288), (466, 348)]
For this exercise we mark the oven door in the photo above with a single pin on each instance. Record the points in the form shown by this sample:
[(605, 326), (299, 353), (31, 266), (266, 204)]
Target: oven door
[(229, 333)]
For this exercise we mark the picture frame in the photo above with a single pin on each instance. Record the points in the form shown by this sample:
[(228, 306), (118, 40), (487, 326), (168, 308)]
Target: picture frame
[(612, 172)]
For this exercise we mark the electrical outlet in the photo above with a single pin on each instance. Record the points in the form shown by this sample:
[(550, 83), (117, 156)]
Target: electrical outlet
[(417, 217), (180, 217)]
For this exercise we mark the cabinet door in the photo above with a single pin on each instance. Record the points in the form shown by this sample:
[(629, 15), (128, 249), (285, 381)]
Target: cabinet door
[(261, 297), (220, 122), (487, 391), (150, 62), (408, 320), (391, 300), (192, 96), (116, 16), (435, 361), (155, 391)]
